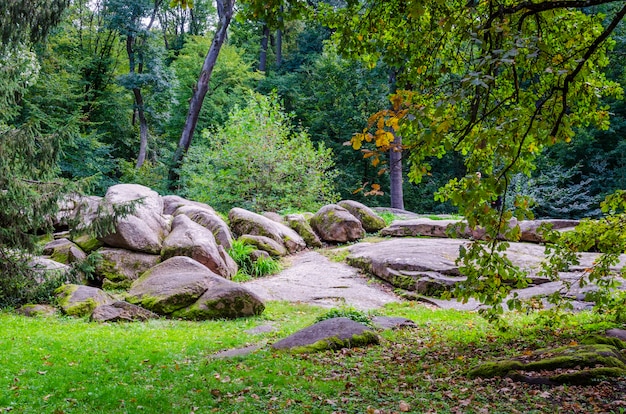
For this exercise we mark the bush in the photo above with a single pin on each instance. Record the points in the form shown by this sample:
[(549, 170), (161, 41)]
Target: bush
[(258, 161), (347, 312)]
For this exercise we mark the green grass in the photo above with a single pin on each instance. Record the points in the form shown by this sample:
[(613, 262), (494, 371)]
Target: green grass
[(72, 366)]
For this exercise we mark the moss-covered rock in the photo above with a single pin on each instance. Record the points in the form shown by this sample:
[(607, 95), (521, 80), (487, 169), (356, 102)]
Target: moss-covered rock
[(371, 221), (119, 268), (584, 364), (64, 251), (79, 300), (335, 224), (171, 285), (334, 333), (87, 243), (223, 300), (246, 222), (300, 223), (264, 243), (37, 310)]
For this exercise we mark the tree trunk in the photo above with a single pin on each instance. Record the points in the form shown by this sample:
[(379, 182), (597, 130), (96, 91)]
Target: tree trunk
[(279, 48), (395, 173), (263, 54), (395, 160), (143, 128), (225, 12)]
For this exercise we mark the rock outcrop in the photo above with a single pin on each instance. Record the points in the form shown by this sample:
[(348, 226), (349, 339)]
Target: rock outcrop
[(80, 300)]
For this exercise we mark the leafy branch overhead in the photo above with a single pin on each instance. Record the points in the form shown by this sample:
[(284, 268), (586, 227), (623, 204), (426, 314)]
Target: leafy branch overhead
[(493, 81)]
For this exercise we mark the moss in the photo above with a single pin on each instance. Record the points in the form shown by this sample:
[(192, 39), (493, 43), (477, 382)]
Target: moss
[(334, 343), (494, 369), (113, 285), (607, 340), (87, 243), (229, 308), (61, 255), (589, 376), (83, 308), (579, 356), (107, 269)]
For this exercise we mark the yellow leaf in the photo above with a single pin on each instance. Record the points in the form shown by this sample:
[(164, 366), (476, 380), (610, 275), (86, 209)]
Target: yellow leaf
[(375, 161), (381, 123), (360, 38), (376, 187)]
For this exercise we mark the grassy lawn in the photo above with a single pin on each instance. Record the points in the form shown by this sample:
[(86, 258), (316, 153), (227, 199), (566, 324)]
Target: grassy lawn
[(59, 365)]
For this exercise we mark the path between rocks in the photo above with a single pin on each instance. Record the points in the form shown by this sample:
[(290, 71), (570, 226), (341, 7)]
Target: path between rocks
[(314, 279)]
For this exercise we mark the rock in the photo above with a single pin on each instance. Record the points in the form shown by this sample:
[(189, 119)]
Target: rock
[(43, 266), (419, 227), (617, 333), (79, 300), (142, 231), (300, 224), (188, 238), (119, 268), (411, 264), (87, 243), (64, 251), (77, 210), (209, 219), (391, 322), (370, 221), (171, 203), (335, 333), (183, 288), (37, 310), (400, 214), (264, 243), (257, 254), (246, 222), (582, 365), (223, 299), (273, 216), (530, 228), (335, 224), (121, 311), (171, 285)]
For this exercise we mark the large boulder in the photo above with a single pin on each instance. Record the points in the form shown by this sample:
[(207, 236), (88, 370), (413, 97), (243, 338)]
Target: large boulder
[(37, 310), (119, 268), (273, 248), (121, 311), (184, 288), (80, 300), (171, 203), (335, 224), (335, 333), (209, 219), (301, 225), (246, 222), (145, 229), (223, 299), (171, 285), (188, 238), (64, 251), (371, 221)]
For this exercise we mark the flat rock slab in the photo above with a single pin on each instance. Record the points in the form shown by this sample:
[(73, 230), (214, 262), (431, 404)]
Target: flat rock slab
[(335, 333), (397, 260), (316, 280)]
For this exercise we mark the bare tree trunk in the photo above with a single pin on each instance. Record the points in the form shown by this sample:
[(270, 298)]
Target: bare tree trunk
[(279, 48), (143, 128), (225, 12), (263, 54), (395, 160), (395, 173)]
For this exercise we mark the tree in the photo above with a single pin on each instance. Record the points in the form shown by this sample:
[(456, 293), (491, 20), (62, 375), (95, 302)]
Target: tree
[(259, 161), (129, 19), (494, 81), (225, 13)]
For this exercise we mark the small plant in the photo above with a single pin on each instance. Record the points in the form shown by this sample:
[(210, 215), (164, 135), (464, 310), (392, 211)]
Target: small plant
[(388, 216), (248, 268), (265, 266), (347, 312)]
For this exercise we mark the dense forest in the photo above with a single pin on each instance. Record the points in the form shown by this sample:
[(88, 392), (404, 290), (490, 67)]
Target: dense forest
[(112, 82)]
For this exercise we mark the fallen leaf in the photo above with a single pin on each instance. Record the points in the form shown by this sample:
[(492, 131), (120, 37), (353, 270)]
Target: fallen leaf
[(404, 407)]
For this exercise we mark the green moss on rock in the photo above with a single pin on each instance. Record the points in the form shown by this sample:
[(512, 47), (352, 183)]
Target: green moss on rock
[(494, 369), (334, 343)]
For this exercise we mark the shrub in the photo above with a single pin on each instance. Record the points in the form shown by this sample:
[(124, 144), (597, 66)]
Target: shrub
[(248, 268), (260, 162), (347, 312)]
